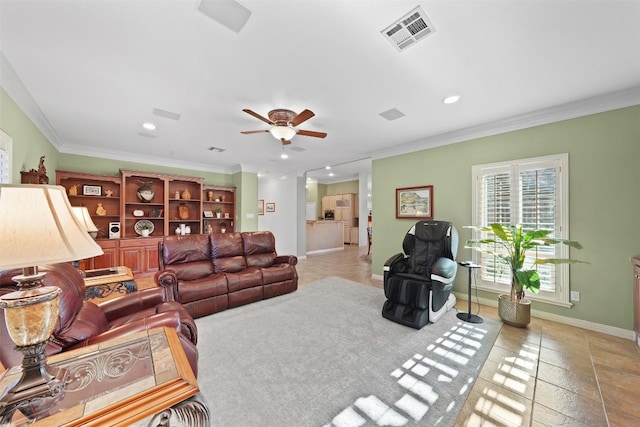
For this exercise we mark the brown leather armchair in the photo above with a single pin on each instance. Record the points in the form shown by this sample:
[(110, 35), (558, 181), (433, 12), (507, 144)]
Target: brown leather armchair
[(81, 323)]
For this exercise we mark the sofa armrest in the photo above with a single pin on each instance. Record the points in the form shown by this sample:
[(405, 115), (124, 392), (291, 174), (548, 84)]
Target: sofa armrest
[(286, 259), (168, 280), (132, 303)]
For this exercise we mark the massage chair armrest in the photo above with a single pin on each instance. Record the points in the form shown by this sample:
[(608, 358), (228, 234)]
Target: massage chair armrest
[(133, 303), (286, 259), (444, 270), (389, 263), (169, 281), (168, 318)]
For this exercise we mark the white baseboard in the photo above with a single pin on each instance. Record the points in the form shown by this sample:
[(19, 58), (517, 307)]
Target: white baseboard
[(585, 324)]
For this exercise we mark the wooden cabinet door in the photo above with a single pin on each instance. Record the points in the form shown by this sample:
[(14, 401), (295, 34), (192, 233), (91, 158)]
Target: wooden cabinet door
[(132, 258), (107, 260)]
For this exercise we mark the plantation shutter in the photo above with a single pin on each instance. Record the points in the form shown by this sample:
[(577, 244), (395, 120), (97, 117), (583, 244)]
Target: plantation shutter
[(530, 192)]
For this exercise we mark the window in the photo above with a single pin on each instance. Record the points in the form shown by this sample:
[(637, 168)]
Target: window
[(5, 158), (533, 192)]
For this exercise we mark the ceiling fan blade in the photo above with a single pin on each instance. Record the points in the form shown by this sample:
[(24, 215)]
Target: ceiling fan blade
[(311, 133), (257, 116), (302, 117), (249, 132)]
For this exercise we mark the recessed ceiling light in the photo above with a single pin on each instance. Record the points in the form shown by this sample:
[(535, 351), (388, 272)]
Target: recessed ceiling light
[(327, 167), (331, 174), (451, 99), (284, 156), (149, 126)]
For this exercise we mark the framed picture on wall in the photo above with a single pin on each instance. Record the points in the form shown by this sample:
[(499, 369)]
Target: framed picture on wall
[(414, 202), (260, 207), (271, 207)]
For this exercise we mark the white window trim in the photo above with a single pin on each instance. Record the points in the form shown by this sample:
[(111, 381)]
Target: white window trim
[(561, 296), (6, 145)]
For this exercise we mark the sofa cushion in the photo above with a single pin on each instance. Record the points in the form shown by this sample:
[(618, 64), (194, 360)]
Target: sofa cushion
[(259, 248), (182, 249), (278, 273), (249, 277), (194, 290), (192, 270), (224, 245)]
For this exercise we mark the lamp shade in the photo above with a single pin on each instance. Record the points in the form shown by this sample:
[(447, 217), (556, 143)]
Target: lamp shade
[(82, 213), (282, 132), (38, 226)]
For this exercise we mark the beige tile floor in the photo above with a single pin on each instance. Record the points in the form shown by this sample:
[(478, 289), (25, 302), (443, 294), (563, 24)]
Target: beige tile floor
[(548, 374)]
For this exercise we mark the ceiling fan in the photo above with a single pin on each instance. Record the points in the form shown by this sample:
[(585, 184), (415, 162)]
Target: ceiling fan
[(283, 124)]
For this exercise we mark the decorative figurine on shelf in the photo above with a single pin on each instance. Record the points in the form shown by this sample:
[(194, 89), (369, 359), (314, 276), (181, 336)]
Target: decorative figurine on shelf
[(210, 196), (41, 168), (100, 210), (73, 190), (145, 192), (183, 211), (108, 193), (186, 195), (209, 229)]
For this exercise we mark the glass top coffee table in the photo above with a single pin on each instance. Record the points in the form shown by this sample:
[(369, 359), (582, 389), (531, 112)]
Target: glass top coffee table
[(133, 379)]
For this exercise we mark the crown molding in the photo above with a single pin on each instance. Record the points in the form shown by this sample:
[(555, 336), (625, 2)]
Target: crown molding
[(12, 84), (584, 107)]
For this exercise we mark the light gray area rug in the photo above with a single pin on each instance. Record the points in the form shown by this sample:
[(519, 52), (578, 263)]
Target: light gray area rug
[(325, 356)]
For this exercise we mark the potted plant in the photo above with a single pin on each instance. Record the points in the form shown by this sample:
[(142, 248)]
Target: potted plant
[(218, 213), (223, 227), (510, 246), (145, 230)]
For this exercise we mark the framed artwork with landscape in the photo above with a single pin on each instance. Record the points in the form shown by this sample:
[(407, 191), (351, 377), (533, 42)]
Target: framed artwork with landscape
[(414, 202)]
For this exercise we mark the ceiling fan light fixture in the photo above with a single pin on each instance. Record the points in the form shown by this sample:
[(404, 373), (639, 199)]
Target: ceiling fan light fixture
[(282, 132)]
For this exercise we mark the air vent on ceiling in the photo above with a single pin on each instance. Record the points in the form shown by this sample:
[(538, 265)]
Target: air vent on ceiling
[(409, 29)]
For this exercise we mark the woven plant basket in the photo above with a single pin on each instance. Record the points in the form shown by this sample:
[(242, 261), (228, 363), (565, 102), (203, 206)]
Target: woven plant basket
[(514, 313)]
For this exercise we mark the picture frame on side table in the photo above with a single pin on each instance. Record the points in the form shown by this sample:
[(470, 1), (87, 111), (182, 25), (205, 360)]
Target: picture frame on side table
[(271, 207), (91, 190), (414, 202), (260, 207)]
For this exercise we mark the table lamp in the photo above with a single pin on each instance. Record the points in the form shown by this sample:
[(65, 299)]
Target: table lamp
[(38, 227), (85, 218)]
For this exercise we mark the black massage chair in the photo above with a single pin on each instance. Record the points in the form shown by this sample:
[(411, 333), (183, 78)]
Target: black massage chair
[(418, 282)]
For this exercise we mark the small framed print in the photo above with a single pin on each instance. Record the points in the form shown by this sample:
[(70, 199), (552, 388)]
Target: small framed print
[(92, 190), (207, 214), (414, 202), (260, 207), (271, 207)]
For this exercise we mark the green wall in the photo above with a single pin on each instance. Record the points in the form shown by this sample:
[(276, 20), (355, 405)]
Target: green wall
[(28, 142), (343, 188), (603, 202), (246, 200)]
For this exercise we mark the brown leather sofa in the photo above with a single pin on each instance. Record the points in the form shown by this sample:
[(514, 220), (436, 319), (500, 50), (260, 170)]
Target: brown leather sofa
[(82, 323), (210, 273)]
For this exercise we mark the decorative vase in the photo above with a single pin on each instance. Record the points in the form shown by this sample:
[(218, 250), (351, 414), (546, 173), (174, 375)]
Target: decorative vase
[(183, 211), (210, 196), (145, 192), (145, 232), (186, 195), (514, 313)]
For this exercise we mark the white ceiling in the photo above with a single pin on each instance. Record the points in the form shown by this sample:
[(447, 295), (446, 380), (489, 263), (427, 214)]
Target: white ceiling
[(95, 70)]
